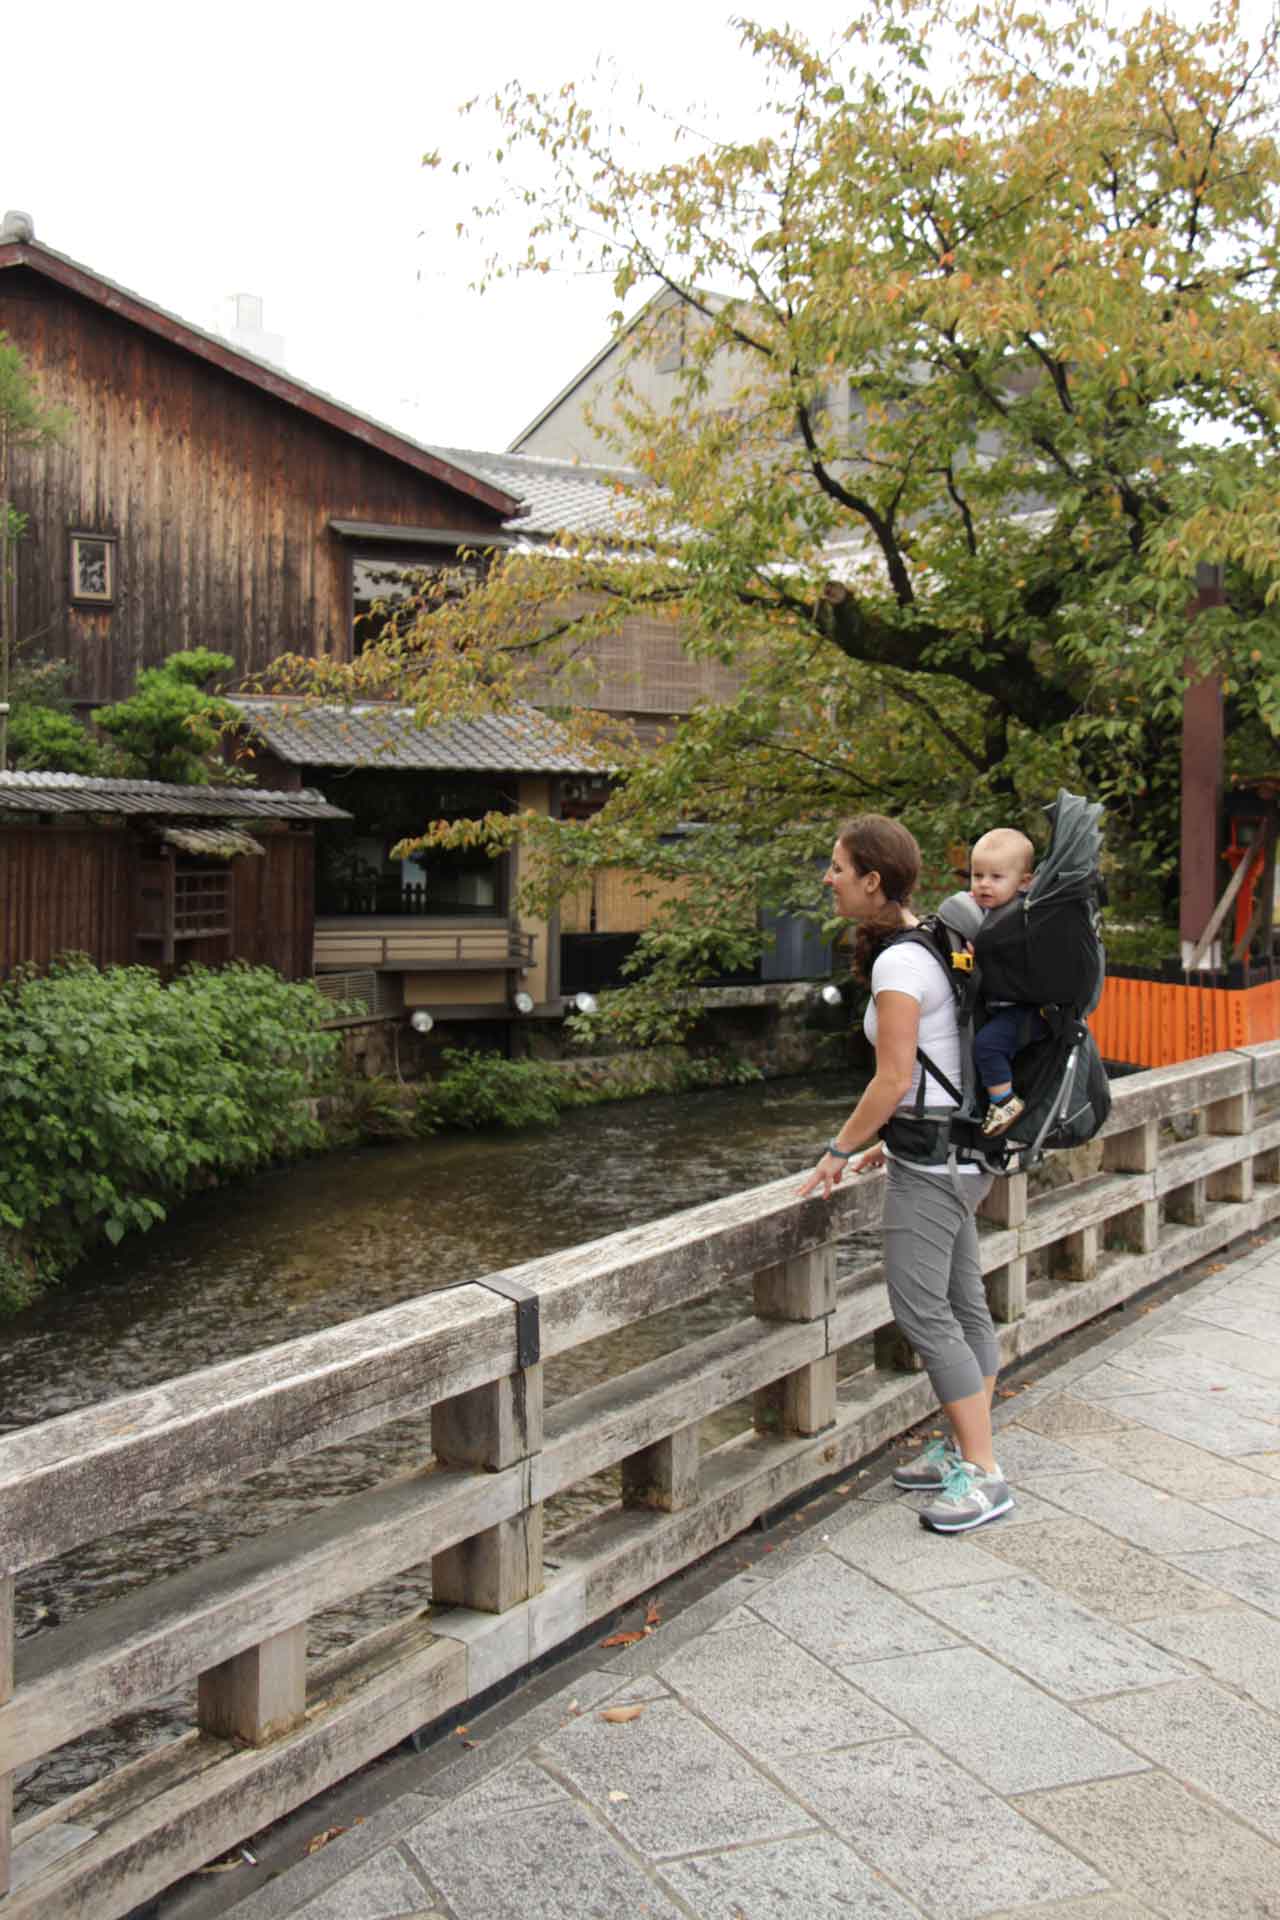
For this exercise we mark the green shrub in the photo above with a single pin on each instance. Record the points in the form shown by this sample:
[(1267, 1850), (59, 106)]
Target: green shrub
[(480, 1090), (46, 740), (118, 1094), (170, 728)]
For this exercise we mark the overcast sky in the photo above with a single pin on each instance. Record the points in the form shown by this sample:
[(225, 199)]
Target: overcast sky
[(275, 148)]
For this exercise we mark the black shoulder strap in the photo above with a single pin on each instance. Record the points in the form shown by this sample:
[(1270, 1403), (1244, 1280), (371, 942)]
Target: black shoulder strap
[(956, 961)]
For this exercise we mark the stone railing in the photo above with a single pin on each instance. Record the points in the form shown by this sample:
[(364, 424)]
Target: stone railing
[(1190, 1161)]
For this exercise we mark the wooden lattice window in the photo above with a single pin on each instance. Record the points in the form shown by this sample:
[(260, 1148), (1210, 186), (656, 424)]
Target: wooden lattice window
[(201, 902)]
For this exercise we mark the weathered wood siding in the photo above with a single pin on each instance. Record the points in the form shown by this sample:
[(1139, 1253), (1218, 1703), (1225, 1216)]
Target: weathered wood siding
[(273, 912), (219, 495), (65, 890), (74, 890)]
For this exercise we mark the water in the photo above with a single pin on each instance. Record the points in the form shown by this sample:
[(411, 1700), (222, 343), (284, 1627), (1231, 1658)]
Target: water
[(303, 1248)]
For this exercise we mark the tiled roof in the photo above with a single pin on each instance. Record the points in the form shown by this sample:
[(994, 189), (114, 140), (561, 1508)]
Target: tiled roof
[(372, 735), (85, 793), (559, 496)]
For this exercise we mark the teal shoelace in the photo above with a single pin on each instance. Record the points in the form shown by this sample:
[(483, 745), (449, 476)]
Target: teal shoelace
[(958, 1482)]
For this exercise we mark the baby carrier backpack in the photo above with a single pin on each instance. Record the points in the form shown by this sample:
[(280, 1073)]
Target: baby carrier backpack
[(1042, 949)]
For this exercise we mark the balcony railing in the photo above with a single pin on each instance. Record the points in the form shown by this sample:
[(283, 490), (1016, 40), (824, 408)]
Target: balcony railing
[(421, 946)]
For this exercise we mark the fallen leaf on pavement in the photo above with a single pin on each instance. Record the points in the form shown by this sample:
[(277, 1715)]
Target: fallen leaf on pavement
[(319, 1840), (653, 1618), (618, 1715), (623, 1639), (617, 1795)]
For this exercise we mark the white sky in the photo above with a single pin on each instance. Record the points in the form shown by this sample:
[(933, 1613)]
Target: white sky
[(275, 148)]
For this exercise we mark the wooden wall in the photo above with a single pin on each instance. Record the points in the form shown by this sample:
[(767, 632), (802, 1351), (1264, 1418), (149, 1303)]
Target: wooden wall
[(220, 496), (73, 890), (65, 890)]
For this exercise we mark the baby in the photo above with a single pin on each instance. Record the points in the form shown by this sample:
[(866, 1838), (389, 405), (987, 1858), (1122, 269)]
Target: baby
[(1001, 866)]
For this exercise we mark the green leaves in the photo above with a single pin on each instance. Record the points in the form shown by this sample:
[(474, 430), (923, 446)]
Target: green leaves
[(121, 1094)]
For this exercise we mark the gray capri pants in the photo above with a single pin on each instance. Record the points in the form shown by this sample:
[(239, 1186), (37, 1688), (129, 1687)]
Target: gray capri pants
[(934, 1279)]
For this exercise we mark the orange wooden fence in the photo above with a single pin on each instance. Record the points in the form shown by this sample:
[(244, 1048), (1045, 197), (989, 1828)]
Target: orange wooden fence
[(1156, 1023)]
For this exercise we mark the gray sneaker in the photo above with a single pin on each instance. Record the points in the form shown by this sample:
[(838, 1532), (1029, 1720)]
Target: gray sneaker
[(969, 1498), (926, 1473)]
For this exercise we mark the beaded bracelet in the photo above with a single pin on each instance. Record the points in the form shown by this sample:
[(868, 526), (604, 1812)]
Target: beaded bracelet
[(839, 1152)]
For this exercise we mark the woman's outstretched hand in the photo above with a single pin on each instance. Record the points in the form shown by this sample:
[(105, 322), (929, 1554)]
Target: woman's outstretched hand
[(830, 1170)]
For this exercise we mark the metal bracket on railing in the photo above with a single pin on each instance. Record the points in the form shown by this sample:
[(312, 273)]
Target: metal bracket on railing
[(528, 1315)]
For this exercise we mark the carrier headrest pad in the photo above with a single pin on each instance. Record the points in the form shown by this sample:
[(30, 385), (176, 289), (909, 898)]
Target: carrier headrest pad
[(961, 912)]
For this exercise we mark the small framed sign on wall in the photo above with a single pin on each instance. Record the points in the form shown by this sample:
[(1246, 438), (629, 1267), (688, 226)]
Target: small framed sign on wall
[(93, 569)]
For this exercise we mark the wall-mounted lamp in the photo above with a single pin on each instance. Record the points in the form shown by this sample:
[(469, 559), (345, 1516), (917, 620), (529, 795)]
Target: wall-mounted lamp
[(831, 995), (522, 1002), (585, 1002), (421, 1021)]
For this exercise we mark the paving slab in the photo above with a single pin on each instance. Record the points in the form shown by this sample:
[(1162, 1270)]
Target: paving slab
[(685, 1788), (535, 1865), (1105, 1382), (1052, 1640), (913, 1814), (1250, 1573), (889, 1544), (1207, 1737), (1174, 1465), (837, 1612), (1258, 1323), (773, 1698), (1065, 1413), (1179, 1856), (1105, 1906), (1178, 1363), (1022, 1453), (1100, 1572), (992, 1721), (1243, 1351), (813, 1877), (1238, 1646), (1145, 1516), (1260, 1513), (1268, 1463), (384, 1888), (1202, 1419)]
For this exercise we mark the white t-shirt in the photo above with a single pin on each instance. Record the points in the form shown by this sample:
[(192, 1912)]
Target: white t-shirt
[(910, 968)]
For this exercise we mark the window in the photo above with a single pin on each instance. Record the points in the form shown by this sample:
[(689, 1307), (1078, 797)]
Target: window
[(93, 569), (387, 587)]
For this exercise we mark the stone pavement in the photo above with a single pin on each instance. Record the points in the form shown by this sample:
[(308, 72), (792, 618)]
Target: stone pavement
[(1072, 1713)]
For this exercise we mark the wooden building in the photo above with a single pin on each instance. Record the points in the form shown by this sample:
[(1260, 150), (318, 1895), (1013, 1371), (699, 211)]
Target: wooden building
[(140, 872), (202, 497)]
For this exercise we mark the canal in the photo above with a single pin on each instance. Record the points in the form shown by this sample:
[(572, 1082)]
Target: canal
[(347, 1234)]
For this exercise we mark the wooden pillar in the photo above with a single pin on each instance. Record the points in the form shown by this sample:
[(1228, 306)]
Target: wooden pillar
[(491, 1428), (665, 1475), (802, 1289), (1137, 1229), (256, 1695), (1234, 1117), (1202, 735), (1006, 1206), (6, 1693)]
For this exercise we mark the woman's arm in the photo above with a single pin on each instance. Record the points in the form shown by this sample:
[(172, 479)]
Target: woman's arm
[(898, 1028)]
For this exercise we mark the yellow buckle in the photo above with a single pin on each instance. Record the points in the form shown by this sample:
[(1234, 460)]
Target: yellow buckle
[(961, 961)]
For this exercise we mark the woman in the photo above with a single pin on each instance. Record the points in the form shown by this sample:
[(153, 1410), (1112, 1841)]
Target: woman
[(930, 1238)]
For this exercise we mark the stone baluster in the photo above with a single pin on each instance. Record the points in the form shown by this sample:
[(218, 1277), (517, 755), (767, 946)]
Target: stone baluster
[(1006, 1206), (492, 1427), (1137, 1229), (803, 1289), (259, 1694), (1231, 1116)]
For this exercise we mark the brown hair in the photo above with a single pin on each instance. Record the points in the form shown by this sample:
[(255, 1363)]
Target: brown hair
[(875, 844)]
